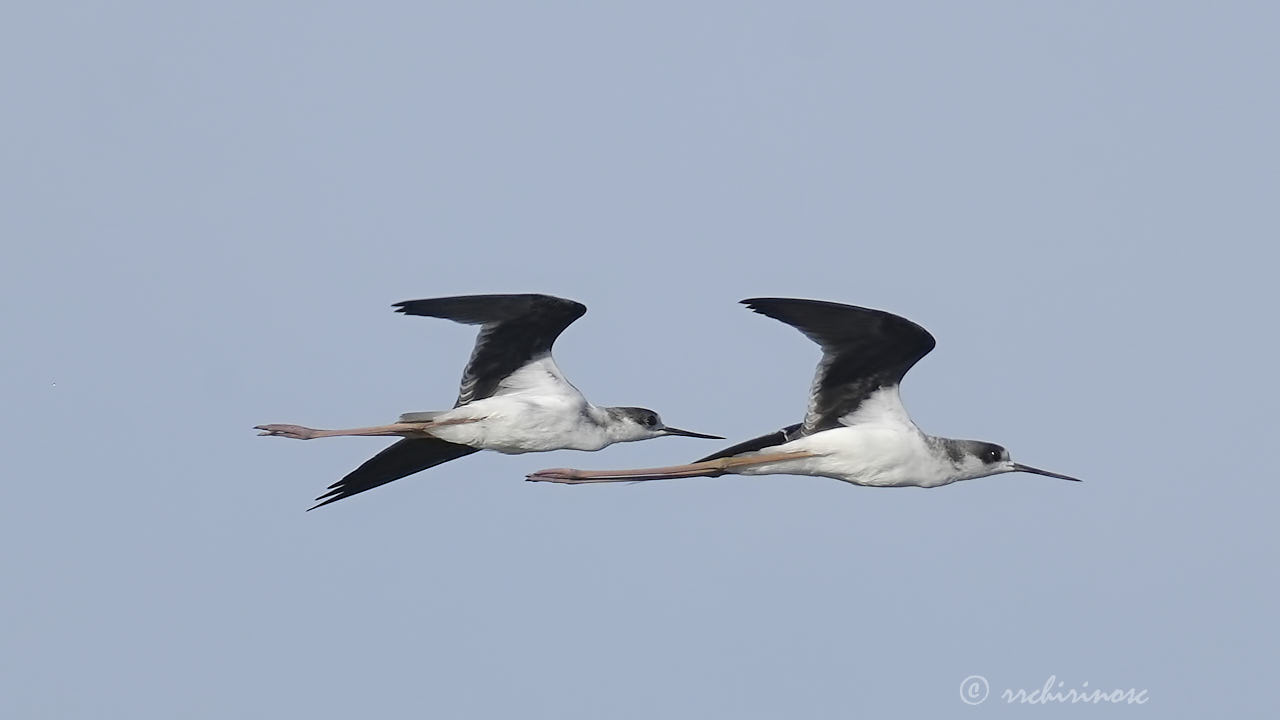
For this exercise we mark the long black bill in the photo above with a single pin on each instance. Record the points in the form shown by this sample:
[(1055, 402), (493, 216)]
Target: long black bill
[(689, 433), (1019, 467)]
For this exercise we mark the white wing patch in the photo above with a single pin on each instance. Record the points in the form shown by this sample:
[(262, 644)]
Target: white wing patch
[(882, 407), (539, 376)]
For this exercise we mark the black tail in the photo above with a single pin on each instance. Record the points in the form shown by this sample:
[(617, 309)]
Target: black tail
[(404, 458)]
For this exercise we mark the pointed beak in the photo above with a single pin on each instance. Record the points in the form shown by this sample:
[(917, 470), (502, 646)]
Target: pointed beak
[(1019, 467), (689, 433)]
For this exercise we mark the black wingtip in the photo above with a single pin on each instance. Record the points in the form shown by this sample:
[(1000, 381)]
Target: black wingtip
[(768, 305), (823, 321), (485, 309), (335, 494), (776, 307), (753, 302), (403, 458)]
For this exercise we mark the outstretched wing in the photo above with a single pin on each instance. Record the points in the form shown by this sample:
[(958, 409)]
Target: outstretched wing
[(515, 330), (404, 458), (863, 350)]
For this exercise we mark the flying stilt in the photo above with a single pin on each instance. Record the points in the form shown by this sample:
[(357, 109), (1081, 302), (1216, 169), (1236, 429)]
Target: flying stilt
[(856, 428), (513, 398)]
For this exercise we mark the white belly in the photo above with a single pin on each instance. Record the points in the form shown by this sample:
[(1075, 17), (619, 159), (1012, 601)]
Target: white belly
[(514, 424), (875, 455)]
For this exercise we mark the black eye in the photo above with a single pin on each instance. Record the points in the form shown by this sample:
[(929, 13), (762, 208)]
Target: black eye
[(650, 420), (993, 455)]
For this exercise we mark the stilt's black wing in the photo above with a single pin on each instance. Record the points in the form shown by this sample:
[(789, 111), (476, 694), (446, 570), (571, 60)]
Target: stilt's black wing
[(406, 457), (786, 434), (863, 350), (515, 330)]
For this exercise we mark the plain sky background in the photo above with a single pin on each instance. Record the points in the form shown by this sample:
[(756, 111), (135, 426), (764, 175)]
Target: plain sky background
[(208, 210)]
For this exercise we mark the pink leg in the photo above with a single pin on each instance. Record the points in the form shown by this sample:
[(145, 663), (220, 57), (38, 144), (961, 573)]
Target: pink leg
[(403, 429), (298, 432), (710, 468)]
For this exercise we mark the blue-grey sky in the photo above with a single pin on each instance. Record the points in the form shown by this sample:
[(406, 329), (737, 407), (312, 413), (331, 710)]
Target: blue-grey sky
[(209, 209)]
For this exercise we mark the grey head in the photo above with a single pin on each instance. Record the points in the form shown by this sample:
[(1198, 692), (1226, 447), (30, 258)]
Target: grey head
[(634, 423), (975, 458)]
